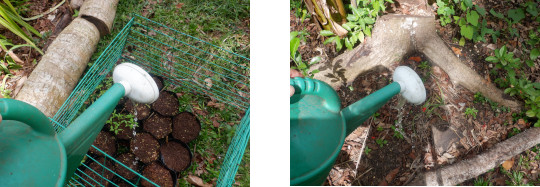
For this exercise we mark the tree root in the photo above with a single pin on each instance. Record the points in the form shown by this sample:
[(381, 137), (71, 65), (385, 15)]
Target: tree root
[(457, 173), (394, 37)]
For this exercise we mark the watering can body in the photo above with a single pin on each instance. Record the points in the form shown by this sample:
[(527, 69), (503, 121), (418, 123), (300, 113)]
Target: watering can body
[(318, 125), (33, 154)]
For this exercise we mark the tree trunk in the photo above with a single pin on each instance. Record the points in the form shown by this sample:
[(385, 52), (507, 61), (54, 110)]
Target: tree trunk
[(59, 70), (394, 37), (101, 13)]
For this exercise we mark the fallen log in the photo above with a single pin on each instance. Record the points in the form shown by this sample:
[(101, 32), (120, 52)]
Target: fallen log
[(394, 37), (457, 173), (100, 12), (60, 68)]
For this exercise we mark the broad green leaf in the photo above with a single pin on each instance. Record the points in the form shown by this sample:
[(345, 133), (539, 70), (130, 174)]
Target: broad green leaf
[(467, 31), (302, 65), (348, 44), (472, 18), (354, 38), (492, 59), (352, 17), (480, 10), (468, 3), (293, 34), (537, 124), (368, 31), (361, 37), (502, 51), (535, 53), (295, 43), (330, 40), (315, 71), (530, 113), (347, 26), (496, 14), (369, 20), (326, 33), (516, 14), (462, 42), (338, 43), (531, 9), (529, 63)]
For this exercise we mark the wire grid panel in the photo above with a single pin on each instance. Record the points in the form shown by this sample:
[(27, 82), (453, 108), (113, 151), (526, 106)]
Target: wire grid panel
[(188, 63)]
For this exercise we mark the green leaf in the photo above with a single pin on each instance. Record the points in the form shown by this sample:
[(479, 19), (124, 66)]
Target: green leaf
[(354, 38), (496, 14), (472, 18), (462, 42), (502, 51), (530, 113), (369, 20), (516, 14), (338, 43), (352, 17), (529, 63), (293, 34), (302, 65), (468, 3), (480, 10), (330, 40), (368, 31), (467, 31), (347, 26), (348, 44), (295, 43), (531, 9), (315, 71), (361, 37), (535, 53), (492, 59), (326, 33)]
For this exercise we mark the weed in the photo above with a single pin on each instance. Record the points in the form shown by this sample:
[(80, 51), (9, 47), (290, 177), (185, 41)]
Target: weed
[(367, 150), (482, 182), (359, 24), (397, 133), (381, 142), (516, 179), (296, 38), (513, 132), (117, 119), (379, 128), (471, 112)]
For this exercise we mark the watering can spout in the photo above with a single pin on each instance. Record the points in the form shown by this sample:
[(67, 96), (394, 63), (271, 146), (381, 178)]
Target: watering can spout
[(361, 110)]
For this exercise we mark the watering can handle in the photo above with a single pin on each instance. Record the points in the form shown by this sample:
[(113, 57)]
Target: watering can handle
[(319, 88), (11, 109)]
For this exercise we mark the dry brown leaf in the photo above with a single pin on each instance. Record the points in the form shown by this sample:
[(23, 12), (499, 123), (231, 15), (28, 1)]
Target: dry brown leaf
[(179, 5), (457, 51), (220, 106), (208, 82), (15, 57), (192, 179), (507, 165), (415, 58)]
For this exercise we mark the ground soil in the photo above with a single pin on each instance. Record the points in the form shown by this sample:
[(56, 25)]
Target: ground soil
[(166, 104), (157, 125), (186, 127), (106, 142), (400, 159), (143, 110), (145, 147), (158, 174), (127, 159), (103, 173), (175, 156)]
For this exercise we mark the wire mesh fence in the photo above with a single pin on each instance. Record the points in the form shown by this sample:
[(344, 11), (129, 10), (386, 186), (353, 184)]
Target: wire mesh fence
[(189, 64)]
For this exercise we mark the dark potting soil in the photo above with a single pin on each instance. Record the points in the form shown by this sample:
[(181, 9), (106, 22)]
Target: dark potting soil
[(127, 159), (159, 82), (106, 142), (166, 104), (186, 127), (103, 172), (158, 174), (175, 156), (145, 147), (143, 110), (158, 125)]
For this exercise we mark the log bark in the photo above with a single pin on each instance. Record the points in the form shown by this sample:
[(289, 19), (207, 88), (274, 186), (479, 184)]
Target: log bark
[(467, 169), (394, 37), (59, 70), (101, 13)]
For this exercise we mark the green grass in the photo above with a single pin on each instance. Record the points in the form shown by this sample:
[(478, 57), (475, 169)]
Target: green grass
[(222, 23)]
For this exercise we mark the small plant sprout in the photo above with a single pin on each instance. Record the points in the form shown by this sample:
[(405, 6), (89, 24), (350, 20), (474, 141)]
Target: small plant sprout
[(367, 150), (471, 112), (117, 119), (295, 39), (381, 142), (397, 134)]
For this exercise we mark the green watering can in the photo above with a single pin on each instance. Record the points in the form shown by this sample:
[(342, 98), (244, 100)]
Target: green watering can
[(32, 154), (319, 126)]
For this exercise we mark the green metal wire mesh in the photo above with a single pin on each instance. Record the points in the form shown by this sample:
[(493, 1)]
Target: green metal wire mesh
[(189, 64)]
